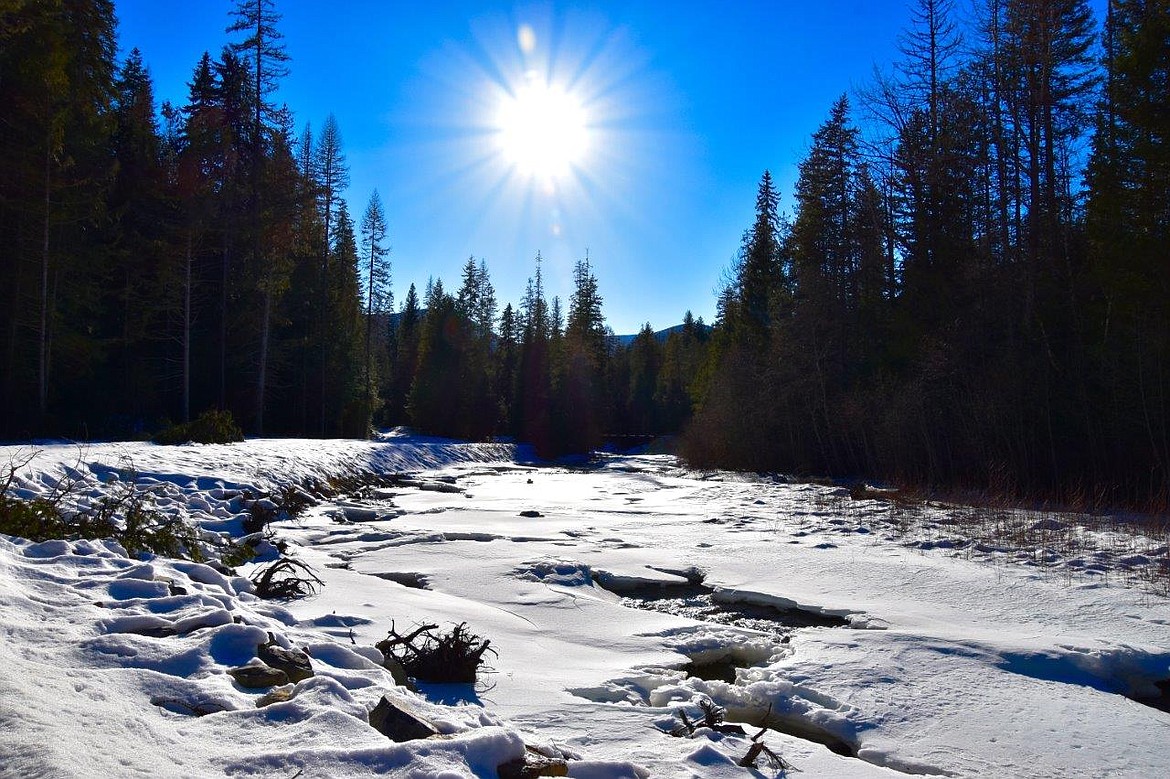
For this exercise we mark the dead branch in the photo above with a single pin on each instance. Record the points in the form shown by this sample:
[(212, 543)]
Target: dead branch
[(713, 713), (430, 656), (758, 748), (286, 579)]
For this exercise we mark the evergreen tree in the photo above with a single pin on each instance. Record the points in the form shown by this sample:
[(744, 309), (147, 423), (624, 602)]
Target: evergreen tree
[(345, 407), (473, 317), (435, 400), (57, 75), (645, 363), (331, 178), (237, 149), (135, 311), (761, 279), (406, 340), (533, 391), (376, 279), (584, 363), (507, 377), (1128, 222), (279, 242), (257, 20), (196, 176)]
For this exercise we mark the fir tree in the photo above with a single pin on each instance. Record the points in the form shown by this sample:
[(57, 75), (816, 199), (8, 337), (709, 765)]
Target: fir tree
[(376, 277)]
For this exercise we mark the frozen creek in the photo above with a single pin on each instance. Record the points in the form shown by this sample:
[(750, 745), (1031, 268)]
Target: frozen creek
[(945, 666), (630, 591)]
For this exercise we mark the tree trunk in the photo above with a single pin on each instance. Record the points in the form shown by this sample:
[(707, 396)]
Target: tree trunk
[(324, 315), (187, 333), (262, 373), (43, 356), (223, 320), (369, 330)]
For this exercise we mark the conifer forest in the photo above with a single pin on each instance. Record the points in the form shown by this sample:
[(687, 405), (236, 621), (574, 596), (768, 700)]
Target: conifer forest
[(971, 290)]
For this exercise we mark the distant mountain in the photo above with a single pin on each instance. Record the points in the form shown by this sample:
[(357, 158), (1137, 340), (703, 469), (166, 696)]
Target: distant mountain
[(659, 335)]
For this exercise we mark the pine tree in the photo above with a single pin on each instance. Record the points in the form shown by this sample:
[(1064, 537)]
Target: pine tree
[(645, 363), (761, 279), (346, 398), (533, 392), (198, 167), (134, 308), (435, 400), (237, 149), (507, 368), (376, 278), (257, 20), (57, 74), (281, 184), (406, 338), (331, 178), (1048, 54), (582, 389), (823, 257), (586, 324), (1128, 224)]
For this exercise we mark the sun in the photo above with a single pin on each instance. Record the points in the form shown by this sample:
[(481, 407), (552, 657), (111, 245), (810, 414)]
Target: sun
[(542, 130)]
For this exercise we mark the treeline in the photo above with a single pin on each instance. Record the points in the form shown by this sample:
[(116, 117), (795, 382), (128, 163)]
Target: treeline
[(976, 291), (537, 372), (973, 292), (158, 263)]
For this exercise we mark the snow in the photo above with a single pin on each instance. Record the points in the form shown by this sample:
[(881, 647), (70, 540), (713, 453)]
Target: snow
[(967, 653)]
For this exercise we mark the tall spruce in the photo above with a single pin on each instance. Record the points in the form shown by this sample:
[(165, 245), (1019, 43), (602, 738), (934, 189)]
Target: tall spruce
[(375, 279), (761, 279), (332, 177)]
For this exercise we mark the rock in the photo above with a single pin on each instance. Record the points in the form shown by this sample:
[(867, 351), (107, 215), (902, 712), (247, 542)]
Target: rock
[(162, 631), (359, 513), (532, 765), (256, 676), (438, 486), (531, 513), (397, 722), (293, 662), (277, 695)]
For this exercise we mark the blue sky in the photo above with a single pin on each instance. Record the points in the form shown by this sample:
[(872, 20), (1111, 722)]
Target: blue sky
[(684, 105)]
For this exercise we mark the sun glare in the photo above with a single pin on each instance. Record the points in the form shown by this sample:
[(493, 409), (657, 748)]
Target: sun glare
[(542, 130)]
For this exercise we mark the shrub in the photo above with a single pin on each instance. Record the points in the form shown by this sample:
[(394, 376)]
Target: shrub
[(212, 427), (36, 520), (123, 515)]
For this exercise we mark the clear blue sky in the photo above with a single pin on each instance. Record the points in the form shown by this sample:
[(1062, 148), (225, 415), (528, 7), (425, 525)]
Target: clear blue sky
[(685, 105)]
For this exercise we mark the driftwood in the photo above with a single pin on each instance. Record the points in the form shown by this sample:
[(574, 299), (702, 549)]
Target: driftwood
[(430, 656), (712, 719), (759, 748), (286, 579)]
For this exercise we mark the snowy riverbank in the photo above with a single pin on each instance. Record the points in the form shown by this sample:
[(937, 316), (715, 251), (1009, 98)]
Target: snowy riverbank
[(955, 660)]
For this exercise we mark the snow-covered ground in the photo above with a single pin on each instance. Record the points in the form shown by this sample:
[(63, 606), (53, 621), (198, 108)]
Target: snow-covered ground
[(961, 656)]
